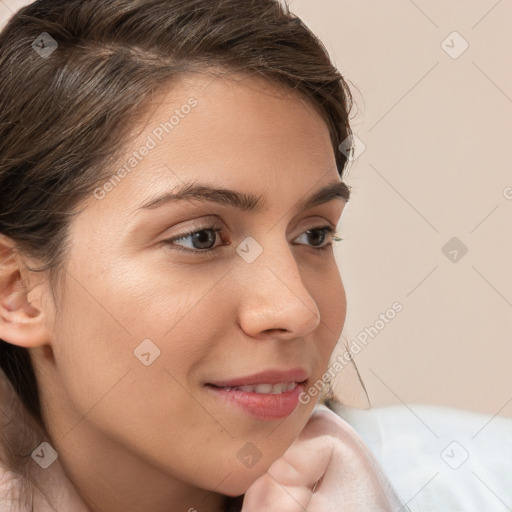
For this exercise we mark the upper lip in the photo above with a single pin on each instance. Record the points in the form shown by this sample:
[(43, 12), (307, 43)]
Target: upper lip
[(265, 377)]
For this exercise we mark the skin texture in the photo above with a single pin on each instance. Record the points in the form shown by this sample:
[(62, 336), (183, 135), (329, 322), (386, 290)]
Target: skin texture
[(133, 437), (326, 469)]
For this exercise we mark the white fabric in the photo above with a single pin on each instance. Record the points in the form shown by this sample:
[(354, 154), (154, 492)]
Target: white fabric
[(440, 459)]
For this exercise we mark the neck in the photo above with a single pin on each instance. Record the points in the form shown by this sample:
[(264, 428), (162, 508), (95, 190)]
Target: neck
[(111, 478)]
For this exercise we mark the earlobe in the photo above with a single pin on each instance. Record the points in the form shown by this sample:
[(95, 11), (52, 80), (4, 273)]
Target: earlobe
[(21, 322)]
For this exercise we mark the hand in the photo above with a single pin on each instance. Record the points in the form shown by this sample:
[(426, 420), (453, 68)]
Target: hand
[(327, 469), (29, 488)]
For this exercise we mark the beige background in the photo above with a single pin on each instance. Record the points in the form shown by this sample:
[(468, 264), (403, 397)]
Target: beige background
[(437, 164)]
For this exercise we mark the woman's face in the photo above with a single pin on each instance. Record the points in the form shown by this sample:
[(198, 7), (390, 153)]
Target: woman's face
[(145, 324)]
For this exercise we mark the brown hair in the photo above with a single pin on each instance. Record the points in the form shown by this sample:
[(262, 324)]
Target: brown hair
[(65, 114)]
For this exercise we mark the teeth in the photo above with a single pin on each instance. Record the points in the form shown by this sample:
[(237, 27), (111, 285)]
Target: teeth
[(272, 389)]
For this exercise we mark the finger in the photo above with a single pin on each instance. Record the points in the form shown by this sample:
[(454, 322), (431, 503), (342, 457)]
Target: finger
[(288, 484), (266, 494)]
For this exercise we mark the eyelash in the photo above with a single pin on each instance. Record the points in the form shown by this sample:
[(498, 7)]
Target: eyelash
[(328, 229)]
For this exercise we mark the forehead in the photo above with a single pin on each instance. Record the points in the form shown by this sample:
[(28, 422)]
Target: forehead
[(238, 132), (204, 120)]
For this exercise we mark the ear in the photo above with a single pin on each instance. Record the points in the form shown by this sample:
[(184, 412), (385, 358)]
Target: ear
[(22, 320)]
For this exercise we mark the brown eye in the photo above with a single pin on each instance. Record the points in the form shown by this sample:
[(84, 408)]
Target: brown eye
[(317, 236), (201, 240)]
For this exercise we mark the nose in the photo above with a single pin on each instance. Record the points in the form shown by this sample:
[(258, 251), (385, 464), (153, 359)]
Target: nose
[(276, 302)]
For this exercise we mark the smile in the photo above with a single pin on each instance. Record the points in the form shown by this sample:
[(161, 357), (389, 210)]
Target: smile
[(262, 401), (266, 389)]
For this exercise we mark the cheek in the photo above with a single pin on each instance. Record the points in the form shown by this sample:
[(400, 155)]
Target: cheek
[(150, 410), (135, 337)]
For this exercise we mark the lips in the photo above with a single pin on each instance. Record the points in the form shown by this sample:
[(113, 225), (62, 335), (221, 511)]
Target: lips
[(268, 395), (271, 377)]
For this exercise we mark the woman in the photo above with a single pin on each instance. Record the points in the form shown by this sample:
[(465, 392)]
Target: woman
[(170, 186)]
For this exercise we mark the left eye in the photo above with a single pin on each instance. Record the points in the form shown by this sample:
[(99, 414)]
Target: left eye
[(325, 232), (203, 240)]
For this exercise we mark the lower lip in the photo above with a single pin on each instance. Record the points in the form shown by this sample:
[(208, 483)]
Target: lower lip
[(264, 406)]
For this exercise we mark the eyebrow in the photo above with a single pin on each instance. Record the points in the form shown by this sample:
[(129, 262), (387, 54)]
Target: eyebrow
[(243, 201)]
